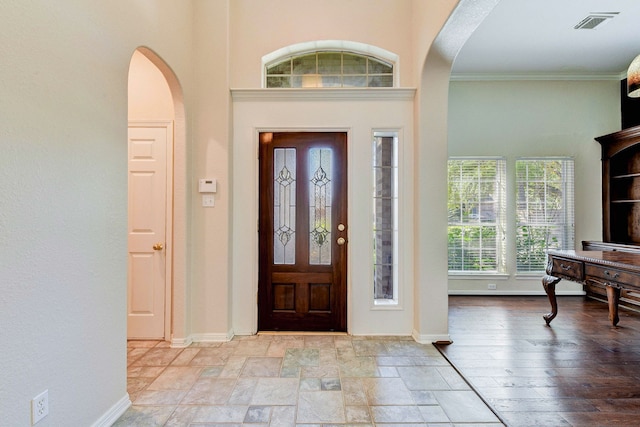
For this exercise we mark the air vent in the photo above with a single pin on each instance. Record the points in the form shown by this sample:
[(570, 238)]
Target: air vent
[(594, 19)]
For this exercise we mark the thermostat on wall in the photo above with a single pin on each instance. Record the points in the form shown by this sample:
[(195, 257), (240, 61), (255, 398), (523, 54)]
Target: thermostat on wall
[(207, 185)]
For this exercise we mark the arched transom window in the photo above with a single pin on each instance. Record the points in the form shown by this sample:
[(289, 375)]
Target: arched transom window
[(330, 69)]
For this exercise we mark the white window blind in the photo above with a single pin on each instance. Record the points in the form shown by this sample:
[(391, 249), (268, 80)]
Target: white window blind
[(476, 209), (544, 209)]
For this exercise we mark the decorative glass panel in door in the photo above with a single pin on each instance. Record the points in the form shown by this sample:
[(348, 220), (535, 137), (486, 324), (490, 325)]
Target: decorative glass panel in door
[(284, 205), (320, 184)]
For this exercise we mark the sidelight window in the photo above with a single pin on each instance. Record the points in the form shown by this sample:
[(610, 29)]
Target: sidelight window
[(385, 217)]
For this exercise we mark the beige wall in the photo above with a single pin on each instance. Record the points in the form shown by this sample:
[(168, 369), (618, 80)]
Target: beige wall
[(210, 238), (535, 118), (430, 297), (149, 94), (63, 190), (261, 27)]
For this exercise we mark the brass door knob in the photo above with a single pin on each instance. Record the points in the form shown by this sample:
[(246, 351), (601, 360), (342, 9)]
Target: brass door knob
[(341, 241), (158, 247)]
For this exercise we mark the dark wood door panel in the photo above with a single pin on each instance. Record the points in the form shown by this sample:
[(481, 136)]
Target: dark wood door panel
[(302, 297), (302, 202), (297, 277)]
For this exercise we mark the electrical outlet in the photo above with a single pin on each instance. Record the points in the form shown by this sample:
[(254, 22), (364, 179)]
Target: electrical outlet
[(492, 286), (39, 407)]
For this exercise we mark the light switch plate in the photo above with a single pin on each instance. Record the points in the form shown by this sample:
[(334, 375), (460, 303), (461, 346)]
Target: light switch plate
[(208, 200)]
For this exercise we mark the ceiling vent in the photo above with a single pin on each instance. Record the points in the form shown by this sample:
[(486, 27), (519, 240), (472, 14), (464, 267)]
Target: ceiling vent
[(594, 19)]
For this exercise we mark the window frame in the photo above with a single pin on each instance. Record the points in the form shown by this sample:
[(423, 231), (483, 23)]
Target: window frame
[(500, 200), (316, 76), (394, 301), (567, 222)]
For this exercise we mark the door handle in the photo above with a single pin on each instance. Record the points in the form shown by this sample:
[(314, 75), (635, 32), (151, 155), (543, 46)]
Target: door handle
[(341, 241), (158, 247)]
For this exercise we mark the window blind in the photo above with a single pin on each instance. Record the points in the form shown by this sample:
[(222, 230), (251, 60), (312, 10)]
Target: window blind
[(544, 210), (476, 208)]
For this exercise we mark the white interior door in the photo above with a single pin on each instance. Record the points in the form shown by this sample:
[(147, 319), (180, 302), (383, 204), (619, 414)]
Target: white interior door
[(150, 149)]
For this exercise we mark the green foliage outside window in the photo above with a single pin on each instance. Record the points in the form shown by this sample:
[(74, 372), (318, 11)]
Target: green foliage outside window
[(474, 205), (532, 244), (463, 253), (544, 210)]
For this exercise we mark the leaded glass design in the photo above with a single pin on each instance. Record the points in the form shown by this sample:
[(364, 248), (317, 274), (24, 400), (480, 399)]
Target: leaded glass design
[(329, 69), (284, 206), (320, 196)]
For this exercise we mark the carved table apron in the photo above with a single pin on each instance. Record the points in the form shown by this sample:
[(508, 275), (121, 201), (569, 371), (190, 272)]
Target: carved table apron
[(615, 270)]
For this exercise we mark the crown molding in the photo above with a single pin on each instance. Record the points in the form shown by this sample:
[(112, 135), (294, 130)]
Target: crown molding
[(470, 77), (325, 94)]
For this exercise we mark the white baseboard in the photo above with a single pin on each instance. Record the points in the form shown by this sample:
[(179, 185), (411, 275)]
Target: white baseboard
[(208, 337), (181, 342), (115, 412), (243, 333), (431, 338)]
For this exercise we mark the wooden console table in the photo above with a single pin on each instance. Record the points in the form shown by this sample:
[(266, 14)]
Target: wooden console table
[(612, 269)]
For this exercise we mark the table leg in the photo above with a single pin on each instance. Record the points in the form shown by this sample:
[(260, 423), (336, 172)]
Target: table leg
[(613, 297), (549, 285)]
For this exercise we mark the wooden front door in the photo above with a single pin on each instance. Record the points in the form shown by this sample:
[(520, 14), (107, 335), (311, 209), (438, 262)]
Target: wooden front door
[(303, 232)]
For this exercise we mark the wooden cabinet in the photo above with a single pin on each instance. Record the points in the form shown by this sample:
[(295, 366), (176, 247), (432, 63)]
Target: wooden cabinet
[(609, 270), (620, 210), (621, 186)]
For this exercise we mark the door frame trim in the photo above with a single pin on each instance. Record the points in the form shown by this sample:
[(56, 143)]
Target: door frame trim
[(169, 126), (256, 146)]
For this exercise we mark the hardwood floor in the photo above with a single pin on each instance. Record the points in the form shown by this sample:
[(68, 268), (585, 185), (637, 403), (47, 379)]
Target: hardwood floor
[(580, 371)]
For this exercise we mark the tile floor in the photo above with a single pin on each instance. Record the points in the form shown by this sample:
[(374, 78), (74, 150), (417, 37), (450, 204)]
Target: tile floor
[(298, 380)]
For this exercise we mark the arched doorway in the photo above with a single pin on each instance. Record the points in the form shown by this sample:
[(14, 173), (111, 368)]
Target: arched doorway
[(157, 230), (430, 297)]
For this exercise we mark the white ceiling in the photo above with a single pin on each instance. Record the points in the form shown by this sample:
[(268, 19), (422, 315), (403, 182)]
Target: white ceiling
[(536, 38)]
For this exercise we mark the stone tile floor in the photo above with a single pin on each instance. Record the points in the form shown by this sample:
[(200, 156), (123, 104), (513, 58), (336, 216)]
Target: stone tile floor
[(298, 380)]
